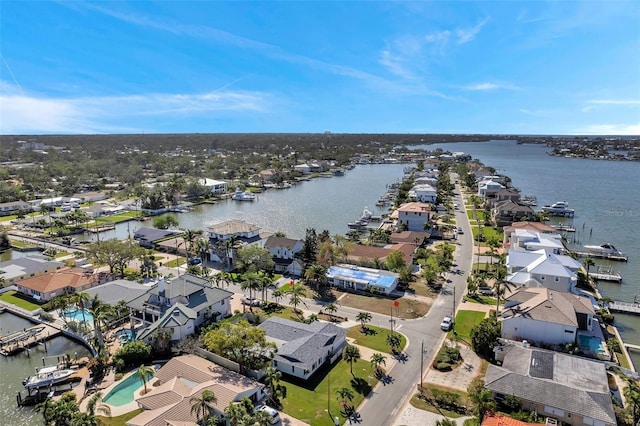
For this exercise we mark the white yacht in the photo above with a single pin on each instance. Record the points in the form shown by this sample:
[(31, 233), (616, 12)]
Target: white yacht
[(606, 249), (240, 195), (47, 376), (560, 208)]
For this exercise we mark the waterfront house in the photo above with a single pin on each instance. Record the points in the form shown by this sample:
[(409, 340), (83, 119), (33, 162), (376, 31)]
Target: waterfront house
[(200, 304), (505, 212), (227, 236), (423, 193), (571, 389), (418, 239), (546, 317), (46, 286), (91, 197), (542, 269), (115, 291), (148, 237), (506, 194), (303, 168), (303, 348), (27, 267), (372, 256), (527, 240), (13, 207), (284, 251), (488, 188), (186, 377), (214, 186), (413, 217), (349, 277), (528, 226)]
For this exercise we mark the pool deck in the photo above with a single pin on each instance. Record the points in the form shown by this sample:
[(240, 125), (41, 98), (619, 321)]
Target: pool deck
[(115, 410)]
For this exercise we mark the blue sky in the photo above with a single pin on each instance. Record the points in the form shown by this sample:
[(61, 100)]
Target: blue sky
[(560, 67)]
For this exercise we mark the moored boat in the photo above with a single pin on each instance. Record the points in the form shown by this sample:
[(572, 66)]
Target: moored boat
[(240, 195), (47, 376), (606, 249), (560, 208)]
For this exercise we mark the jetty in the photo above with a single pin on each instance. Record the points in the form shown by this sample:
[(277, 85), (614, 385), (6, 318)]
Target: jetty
[(632, 346), (21, 340), (606, 256), (625, 307), (607, 274)]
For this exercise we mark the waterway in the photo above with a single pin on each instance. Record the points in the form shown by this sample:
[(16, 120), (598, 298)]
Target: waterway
[(15, 368)]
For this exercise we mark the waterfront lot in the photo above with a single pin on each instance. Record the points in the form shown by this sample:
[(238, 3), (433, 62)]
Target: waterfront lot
[(11, 298)]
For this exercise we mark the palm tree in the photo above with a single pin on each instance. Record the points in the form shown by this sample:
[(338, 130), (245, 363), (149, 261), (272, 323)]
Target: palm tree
[(100, 312), (344, 394), (272, 381), (351, 354), (235, 413), (587, 263), (80, 300), (364, 318), (190, 236), (330, 308), (316, 273), (199, 405), (394, 341), (500, 286), (377, 359), (296, 293), (144, 371), (278, 294), (203, 245), (95, 405)]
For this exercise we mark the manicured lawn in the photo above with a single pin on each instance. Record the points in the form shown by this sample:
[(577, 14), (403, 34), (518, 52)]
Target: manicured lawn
[(10, 297), (175, 262), (8, 218), (407, 307), (422, 404), (309, 401), (374, 338), (119, 420), (21, 244), (465, 320), (483, 300), (119, 217)]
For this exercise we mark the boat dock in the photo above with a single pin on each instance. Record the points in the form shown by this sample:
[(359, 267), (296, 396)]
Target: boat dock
[(607, 274), (20, 340), (633, 347), (618, 258), (625, 307)]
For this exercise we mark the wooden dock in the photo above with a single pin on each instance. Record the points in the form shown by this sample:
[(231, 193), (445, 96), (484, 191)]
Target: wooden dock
[(625, 307), (21, 340), (631, 346), (616, 258), (607, 274)]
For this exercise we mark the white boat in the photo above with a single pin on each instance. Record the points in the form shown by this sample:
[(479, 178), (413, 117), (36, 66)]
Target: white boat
[(47, 376), (606, 249), (367, 215), (561, 208), (359, 224), (240, 195)]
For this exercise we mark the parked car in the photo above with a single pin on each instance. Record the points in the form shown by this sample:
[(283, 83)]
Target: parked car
[(460, 231), (195, 261), (251, 301), (485, 291), (446, 324), (275, 415)]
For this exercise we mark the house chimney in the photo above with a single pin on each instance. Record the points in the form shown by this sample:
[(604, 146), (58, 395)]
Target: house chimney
[(161, 286)]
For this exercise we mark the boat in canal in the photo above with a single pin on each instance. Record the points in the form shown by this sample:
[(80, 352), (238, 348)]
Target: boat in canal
[(560, 208), (240, 195), (47, 376)]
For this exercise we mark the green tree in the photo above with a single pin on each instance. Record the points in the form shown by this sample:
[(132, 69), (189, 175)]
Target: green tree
[(114, 253), (345, 395), (131, 353), (165, 221), (316, 274), (95, 405), (484, 337), (296, 293), (254, 258), (482, 399), (394, 342), (330, 309), (364, 318), (310, 248), (587, 263), (144, 372), (199, 405), (395, 261), (242, 343), (631, 394), (377, 359), (351, 354), (446, 422), (500, 286), (100, 312), (277, 391)]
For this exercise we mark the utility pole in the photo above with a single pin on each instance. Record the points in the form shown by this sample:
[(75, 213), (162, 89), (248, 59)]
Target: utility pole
[(421, 366)]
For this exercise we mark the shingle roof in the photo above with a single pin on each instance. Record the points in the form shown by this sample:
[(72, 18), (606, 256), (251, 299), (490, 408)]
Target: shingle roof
[(274, 241), (27, 266), (547, 305), (117, 290), (574, 384)]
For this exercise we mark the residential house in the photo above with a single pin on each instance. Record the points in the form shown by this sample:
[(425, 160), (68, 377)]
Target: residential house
[(235, 233), (505, 212), (284, 251), (115, 291), (304, 348), (91, 197), (540, 227), (418, 239), (350, 277), (526, 240), (303, 168), (186, 377), (423, 193), (214, 186), (52, 202), (413, 216), (506, 194), (546, 317), (542, 269), (488, 188), (499, 420), (148, 237), (26, 267), (13, 207), (46, 286), (190, 298), (373, 256), (571, 389)]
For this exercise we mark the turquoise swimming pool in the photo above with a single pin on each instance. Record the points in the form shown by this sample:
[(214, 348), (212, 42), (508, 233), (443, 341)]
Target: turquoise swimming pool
[(76, 315), (122, 393), (593, 343)]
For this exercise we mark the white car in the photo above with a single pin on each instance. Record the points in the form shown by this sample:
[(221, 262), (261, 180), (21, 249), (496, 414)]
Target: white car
[(250, 301), (446, 324), (275, 415)]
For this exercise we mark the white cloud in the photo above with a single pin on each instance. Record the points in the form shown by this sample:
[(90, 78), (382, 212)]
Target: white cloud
[(468, 34), (610, 129), (606, 102), (33, 114), (486, 86)]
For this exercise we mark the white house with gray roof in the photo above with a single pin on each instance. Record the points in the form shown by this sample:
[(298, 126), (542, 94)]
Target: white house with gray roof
[(568, 388), (542, 269), (543, 316), (303, 348), (114, 291), (197, 304), (283, 251)]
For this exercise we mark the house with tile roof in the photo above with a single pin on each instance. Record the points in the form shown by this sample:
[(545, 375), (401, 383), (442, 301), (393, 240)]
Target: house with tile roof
[(413, 217), (571, 389), (499, 420), (546, 317), (186, 377), (46, 286), (304, 348), (181, 303)]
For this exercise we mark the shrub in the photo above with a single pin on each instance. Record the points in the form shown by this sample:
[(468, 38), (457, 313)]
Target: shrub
[(118, 376), (46, 316), (443, 366)]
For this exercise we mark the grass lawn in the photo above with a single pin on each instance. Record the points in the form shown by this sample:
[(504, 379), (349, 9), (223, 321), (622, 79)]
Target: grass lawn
[(62, 253), (623, 360), (12, 298), (122, 217), (308, 401), (483, 300), (175, 262), (407, 308), (464, 321), (119, 420), (21, 244), (374, 338), (8, 218), (427, 404)]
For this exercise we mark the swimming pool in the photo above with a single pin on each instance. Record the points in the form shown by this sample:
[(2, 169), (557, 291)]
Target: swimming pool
[(123, 392), (76, 315), (593, 343), (125, 335)]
